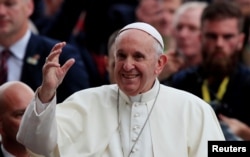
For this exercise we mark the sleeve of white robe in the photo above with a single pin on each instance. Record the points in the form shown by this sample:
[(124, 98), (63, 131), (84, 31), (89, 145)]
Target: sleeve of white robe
[(38, 129)]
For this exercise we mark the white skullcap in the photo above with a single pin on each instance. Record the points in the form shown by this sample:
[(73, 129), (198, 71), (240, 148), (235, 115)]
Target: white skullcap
[(146, 28)]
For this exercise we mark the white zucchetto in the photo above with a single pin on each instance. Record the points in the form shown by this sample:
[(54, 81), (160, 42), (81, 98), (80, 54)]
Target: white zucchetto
[(146, 28)]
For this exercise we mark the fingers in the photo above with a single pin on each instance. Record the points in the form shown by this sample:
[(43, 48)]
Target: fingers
[(53, 72), (53, 58), (55, 52), (59, 46), (68, 65)]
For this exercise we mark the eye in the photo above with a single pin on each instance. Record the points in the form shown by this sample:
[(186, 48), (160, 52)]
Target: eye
[(139, 56), (19, 114), (179, 27), (120, 56), (172, 11), (210, 36), (193, 28), (9, 3), (228, 36)]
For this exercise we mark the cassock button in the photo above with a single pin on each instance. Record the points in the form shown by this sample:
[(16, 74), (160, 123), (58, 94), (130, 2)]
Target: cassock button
[(136, 127), (134, 139), (134, 150), (136, 115)]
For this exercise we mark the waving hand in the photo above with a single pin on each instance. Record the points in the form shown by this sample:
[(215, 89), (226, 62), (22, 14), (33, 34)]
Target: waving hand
[(53, 73)]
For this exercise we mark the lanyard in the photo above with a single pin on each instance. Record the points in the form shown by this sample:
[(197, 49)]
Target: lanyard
[(220, 93)]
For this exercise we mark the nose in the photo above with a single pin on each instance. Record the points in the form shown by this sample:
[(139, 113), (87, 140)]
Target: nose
[(183, 32), (128, 64), (2, 9), (219, 41)]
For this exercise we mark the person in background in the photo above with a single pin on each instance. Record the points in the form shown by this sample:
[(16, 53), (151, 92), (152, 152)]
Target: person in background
[(221, 80), (186, 33), (27, 51), (110, 58), (15, 96), (137, 116), (159, 13), (245, 8)]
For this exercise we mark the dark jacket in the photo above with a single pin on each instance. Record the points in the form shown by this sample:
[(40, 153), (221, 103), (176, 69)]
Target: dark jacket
[(235, 102)]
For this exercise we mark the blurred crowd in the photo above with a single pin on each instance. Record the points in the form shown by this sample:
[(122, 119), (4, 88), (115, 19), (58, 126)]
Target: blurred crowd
[(29, 29)]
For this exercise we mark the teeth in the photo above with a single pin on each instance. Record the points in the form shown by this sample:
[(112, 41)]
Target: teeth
[(129, 76)]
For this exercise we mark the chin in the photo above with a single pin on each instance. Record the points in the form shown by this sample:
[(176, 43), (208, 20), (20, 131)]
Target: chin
[(131, 91)]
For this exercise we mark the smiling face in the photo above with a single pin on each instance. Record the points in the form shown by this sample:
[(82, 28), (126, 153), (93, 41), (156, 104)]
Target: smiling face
[(137, 64)]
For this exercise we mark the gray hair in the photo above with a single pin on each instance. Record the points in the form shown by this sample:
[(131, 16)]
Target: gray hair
[(157, 48), (190, 5)]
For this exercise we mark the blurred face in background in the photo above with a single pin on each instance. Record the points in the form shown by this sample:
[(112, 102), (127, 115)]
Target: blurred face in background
[(221, 41), (14, 17), (14, 100), (186, 32), (52, 6), (158, 13), (244, 5)]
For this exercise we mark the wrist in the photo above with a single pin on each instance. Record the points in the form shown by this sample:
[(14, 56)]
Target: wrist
[(45, 96)]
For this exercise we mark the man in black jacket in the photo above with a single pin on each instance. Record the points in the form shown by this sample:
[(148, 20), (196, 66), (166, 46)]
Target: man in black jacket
[(29, 51)]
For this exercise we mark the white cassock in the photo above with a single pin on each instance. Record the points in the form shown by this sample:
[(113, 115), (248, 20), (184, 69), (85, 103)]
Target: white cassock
[(94, 123)]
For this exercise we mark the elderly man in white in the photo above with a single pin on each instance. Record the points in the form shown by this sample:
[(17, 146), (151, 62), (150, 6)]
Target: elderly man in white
[(136, 117)]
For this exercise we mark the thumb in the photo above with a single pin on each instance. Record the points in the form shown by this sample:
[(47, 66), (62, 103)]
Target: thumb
[(68, 65)]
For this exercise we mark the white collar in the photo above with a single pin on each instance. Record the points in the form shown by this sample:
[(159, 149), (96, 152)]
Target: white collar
[(144, 97), (18, 48), (5, 152)]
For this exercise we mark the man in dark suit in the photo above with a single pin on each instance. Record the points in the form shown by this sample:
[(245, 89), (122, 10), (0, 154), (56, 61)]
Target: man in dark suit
[(29, 51)]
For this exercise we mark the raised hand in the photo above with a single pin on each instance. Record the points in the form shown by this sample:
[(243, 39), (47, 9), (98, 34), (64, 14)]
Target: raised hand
[(53, 73)]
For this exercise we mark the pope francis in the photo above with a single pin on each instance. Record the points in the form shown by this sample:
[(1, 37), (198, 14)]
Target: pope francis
[(137, 117)]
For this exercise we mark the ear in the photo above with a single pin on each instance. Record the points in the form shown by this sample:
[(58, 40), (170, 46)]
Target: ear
[(162, 61), (200, 36), (106, 62), (241, 41), (29, 7)]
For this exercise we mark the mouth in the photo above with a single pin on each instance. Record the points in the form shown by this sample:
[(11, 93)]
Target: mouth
[(219, 54), (3, 23), (130, 76)]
